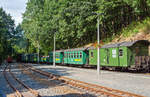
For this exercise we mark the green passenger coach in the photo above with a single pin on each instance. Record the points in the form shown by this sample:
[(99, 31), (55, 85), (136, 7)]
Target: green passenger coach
[(59, 56), (76, 56), (50, 58), (92, 56), (124, 54)]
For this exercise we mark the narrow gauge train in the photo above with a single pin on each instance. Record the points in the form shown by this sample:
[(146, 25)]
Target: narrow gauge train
[(125, 55)]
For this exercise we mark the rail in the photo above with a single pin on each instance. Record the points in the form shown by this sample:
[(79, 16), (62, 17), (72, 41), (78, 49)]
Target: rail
[(34, 92), (18, 94)]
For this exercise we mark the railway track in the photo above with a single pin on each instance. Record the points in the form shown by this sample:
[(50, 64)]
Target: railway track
[(18, 93), (55, 86), (104, 91)]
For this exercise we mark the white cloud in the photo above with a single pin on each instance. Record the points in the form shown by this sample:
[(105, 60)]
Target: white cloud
[(15, 8)]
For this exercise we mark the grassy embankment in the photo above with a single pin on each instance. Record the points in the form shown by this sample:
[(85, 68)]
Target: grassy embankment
[(136, 31)]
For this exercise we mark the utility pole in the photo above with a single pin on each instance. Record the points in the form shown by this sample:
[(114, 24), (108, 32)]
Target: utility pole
[(38, 52), (98, 41), (54, 52), (98, 48)]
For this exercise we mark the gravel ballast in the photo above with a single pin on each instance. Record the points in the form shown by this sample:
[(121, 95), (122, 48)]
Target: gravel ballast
[(46, 87), (129, 82), (4, 87), (134, 83)]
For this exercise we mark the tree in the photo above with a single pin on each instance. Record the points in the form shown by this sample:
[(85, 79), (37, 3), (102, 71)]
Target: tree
[(6, 33), (19, 41), (73, 23)]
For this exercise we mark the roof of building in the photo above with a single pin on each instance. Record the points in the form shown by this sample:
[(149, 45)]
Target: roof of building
[(127, 44), (91, 48), (58, 51), (77, 49)]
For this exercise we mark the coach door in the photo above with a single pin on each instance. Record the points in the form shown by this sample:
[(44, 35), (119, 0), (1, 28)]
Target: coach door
[(113, 58), (107, 56), (123, 56)]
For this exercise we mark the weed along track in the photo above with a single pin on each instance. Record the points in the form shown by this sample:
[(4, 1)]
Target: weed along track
[(96, 89), (21, 89)]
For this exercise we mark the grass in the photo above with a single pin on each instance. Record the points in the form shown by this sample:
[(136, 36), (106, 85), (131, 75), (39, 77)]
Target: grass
[(132, 29), (137, 27)]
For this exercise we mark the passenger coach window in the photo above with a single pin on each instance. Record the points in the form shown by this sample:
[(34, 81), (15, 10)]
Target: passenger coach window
[(80, 55), (71, 55), (120, 52), (92, 55), (74, 55), (77, 55)]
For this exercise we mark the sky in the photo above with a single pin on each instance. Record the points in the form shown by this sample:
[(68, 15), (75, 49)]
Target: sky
[(15, 8)]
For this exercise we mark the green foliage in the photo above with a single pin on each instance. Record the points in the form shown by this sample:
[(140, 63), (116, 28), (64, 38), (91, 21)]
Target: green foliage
[(131, 30), (7, 32), (74, 24), (19, 42), (136, 27)]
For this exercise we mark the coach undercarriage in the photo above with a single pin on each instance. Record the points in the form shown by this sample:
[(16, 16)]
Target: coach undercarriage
[(141, 63)]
